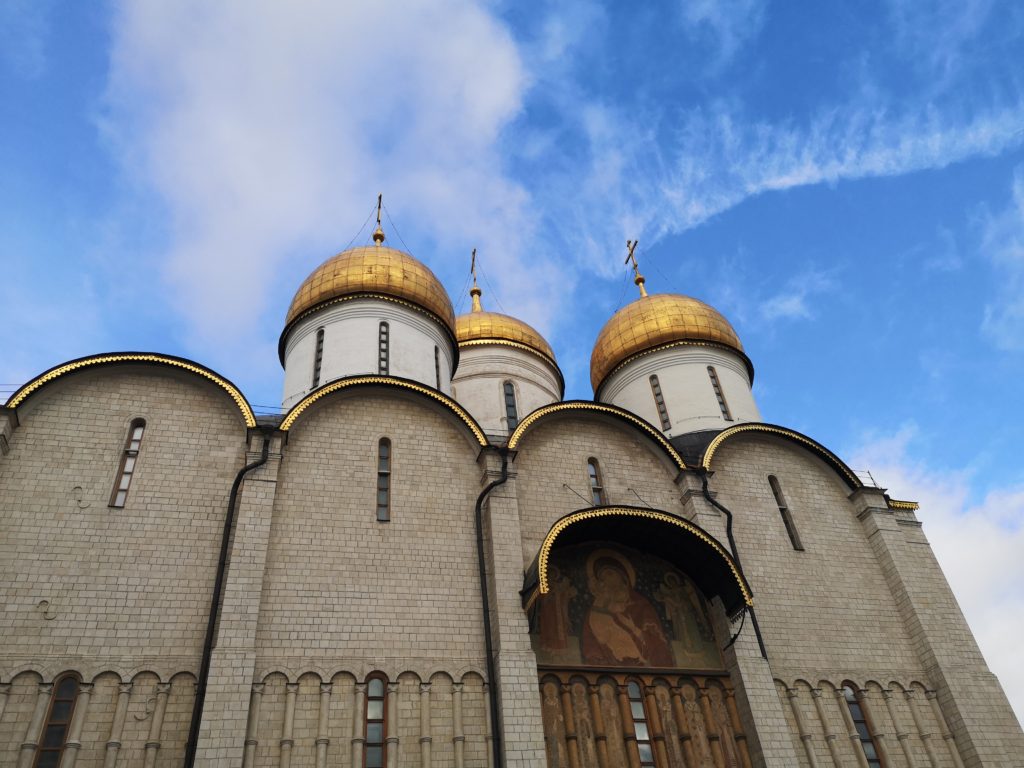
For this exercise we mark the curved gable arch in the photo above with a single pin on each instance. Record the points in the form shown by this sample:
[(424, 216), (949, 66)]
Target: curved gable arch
[(393, 382), (121, 358), (581, 407), (848, 476), (669, 536)]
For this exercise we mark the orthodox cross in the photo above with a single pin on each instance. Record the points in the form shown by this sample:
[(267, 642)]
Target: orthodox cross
[(631, 256), (378, 234)]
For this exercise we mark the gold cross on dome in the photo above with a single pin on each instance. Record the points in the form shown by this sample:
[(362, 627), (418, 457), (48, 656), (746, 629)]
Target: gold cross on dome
[(631, 256)]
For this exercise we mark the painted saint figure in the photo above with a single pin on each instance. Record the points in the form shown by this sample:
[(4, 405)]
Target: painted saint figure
[(621, 627)]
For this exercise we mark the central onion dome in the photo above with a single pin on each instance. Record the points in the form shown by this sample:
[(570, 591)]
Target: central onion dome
[(373, 270), (653, 322), (480, 327)]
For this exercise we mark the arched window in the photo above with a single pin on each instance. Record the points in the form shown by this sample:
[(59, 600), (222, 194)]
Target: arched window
[(860, 722), (640, 728), (659, 400), (437, 367), (129, 458), (596, 483), (384, 480), (787, 518), (58, 720), (375, 748), (511, 414), (318, 357), (716, 385), (383, 342)]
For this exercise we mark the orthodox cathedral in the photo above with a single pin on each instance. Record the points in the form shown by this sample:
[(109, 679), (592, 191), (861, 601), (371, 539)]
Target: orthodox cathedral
[(432, 559)]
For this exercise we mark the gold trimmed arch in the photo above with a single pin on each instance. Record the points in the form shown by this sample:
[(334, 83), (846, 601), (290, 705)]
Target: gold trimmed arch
[(114, 358), (585, 406), (830, 458), (387, 381), (720, 574)]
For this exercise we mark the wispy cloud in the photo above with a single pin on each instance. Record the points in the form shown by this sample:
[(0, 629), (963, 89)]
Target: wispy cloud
[(730, 23), (793, 302), (977, 541), (1003, 244)]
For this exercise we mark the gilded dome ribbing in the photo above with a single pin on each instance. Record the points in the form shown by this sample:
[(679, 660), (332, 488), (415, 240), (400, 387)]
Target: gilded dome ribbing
[(480, 327), (654, 321), (374, 269)]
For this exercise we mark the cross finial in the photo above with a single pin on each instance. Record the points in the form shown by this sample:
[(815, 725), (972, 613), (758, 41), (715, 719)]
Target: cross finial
[(378, 234), (631, 256), (475, 290)]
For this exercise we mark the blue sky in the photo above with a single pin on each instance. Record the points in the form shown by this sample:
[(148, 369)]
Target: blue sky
[(845, 182)]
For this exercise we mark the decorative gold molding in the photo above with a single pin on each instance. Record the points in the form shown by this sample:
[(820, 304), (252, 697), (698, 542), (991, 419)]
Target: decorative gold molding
[(682, 343), (390, 381), (783, 432), (589, 514), (507, 343), (133, 357), (540, 413), (909, 505)]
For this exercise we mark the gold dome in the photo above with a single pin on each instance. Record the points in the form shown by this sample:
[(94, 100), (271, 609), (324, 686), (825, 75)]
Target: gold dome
[(655, 321), (480, 327), (374, 269)]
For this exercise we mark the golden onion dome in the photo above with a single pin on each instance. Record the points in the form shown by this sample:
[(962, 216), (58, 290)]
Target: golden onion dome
[(479, 327), (657, 321), (373, 270)]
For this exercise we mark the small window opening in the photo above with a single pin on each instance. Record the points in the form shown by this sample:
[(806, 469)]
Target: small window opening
[(659, 400), (375, 748), (713, 375), (787, 518), (437, 367), (511, 414), (318, 358), (129, 458), (596, 484), (640, 728), (860, 722), (383, 342), (58, 720), (384, 480)]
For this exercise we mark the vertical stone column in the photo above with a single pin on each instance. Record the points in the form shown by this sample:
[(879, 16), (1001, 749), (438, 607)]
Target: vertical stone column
[(425, 737), (225, 711), (5, 690), (30, 743), (287, 741), (830, 738), (156, 725), (252, 738), (806, 736), (517, 686), (761, 711), (391, 739), (458, 734), (322, 740), (970, 697), (74, 739), (124, 691), (358, 723)]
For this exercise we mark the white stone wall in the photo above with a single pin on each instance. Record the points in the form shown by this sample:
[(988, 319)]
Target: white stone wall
[(479, 384), (683, 375), (351, 345)]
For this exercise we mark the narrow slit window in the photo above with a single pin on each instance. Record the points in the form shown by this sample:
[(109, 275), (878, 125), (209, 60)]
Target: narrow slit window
[(384, 480), (713, 375), (437, 367), (511, 413), (375, 748), (860, 722), (659, 400), (596, 483), (640, 726), (787, 517), (129, 458), (58, 720), (384, 341), (318, 357)]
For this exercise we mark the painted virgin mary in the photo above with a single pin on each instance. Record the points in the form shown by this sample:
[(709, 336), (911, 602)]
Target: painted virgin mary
[(621, 627)]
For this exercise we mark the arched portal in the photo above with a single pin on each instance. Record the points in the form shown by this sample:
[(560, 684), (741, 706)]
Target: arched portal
[(630, 665)]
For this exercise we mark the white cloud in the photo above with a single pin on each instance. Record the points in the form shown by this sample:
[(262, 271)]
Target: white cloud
[(1003, 244), (977, 542), (265, 127), (792, 303)]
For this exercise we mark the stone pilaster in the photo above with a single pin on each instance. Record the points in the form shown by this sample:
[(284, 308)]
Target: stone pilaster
[(516, 686), (222, 732), (970, 697)]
